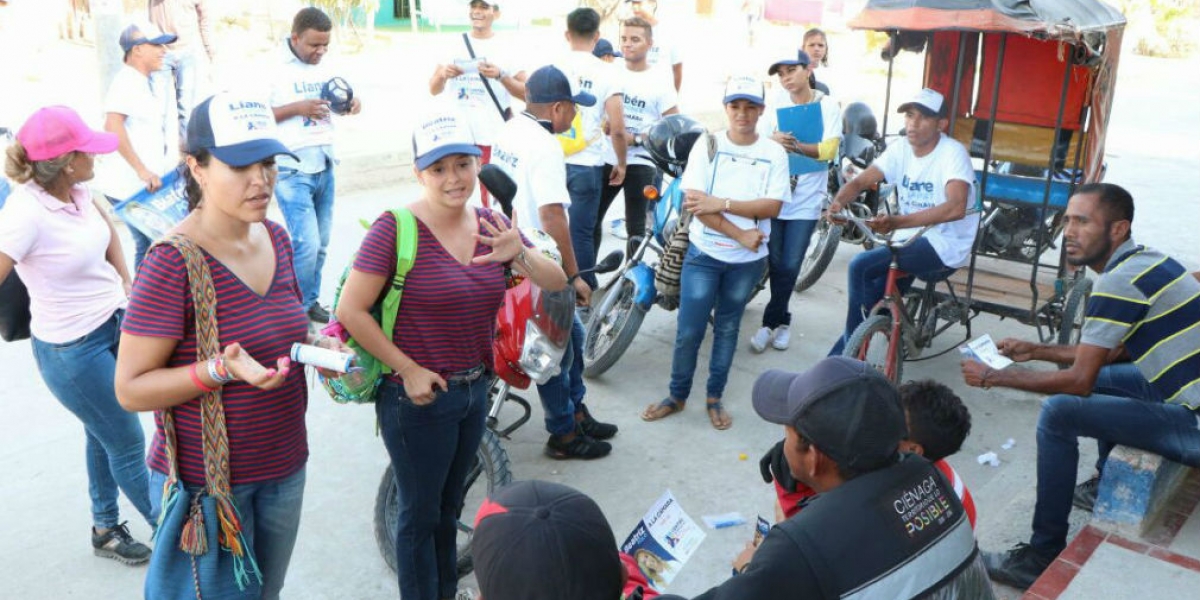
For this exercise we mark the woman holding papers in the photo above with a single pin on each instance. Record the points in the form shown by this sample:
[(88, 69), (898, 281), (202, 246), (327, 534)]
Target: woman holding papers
[(808, 124), (733, 186)]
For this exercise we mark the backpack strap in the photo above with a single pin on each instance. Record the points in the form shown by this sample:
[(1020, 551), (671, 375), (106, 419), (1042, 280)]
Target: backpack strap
[(406, 255)]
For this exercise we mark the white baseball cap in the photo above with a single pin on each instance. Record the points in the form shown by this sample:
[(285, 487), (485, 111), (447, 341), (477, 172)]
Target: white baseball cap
[(743, 87), (239, 131), (929, 102), (438, 135)]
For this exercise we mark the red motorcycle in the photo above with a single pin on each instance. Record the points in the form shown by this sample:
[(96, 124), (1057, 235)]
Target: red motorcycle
[(533, 329)]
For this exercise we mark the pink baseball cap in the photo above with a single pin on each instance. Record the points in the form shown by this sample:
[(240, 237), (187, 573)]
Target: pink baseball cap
[(56, 130)]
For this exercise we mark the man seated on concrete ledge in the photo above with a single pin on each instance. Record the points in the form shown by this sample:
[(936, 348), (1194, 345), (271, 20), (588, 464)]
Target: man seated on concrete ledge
[(882, 525), (1145, 307)]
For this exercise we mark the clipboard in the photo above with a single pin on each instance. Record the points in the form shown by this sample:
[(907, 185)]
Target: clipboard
[(806, 123)]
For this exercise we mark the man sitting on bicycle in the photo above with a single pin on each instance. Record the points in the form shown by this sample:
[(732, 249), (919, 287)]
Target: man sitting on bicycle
[(935, 181)]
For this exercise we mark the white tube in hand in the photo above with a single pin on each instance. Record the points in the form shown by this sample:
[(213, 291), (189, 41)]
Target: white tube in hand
[(323, 358)]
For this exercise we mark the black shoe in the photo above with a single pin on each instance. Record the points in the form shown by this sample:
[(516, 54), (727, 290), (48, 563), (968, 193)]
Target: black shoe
[(318, 313), (580, 446), (1019, 567), (593, 428), (117, 544), (1085, 494)]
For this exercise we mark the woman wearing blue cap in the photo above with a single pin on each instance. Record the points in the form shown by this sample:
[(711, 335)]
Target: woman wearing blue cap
[(733, 186), (432, 409), (246, 393)]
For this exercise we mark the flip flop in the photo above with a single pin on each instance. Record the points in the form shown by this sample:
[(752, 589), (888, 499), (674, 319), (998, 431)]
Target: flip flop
[(718, 416), (665, 408)]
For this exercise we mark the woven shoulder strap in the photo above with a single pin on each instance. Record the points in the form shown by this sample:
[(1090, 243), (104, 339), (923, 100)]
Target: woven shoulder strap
[(214, 435), (406, 255)]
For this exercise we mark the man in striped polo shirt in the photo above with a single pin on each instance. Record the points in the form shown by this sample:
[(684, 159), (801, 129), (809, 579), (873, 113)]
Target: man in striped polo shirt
[(1133, 380)]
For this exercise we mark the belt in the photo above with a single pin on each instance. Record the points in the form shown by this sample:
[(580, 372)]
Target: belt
[(467, 376)]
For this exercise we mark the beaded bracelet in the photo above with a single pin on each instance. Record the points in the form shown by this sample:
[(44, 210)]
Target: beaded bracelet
[(218, 372)]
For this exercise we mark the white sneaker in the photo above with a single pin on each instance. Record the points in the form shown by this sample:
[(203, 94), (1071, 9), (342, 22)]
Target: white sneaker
[(618, 229), (466, 593), (782, 337), (761, 338)]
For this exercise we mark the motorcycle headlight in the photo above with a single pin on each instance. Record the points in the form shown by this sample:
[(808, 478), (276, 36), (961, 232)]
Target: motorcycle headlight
[(540, 359), (849, 171)]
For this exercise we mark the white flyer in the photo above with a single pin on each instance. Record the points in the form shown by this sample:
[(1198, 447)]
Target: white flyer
[(984, 350), (468, 65), (663, 541)]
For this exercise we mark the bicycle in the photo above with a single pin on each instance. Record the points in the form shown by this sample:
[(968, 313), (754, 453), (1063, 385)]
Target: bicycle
[(902, 324)]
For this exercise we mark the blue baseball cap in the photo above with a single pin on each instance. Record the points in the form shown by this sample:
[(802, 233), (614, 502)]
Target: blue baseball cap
[(549, 84), (238, 131), (144, 32), (801, 59), (440, 134), (604, 48)]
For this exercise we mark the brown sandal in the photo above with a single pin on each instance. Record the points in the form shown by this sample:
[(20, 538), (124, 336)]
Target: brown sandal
[(718, 416), (665, 408)]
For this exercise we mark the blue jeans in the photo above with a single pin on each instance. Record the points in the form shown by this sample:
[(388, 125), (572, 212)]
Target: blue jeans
[(563, 394), (1140, 420), (787, 246), (867, 280), (270, 513), (179, 82), (80, 374), (306, 200), (433, 448), (704, 283), (584, 185)]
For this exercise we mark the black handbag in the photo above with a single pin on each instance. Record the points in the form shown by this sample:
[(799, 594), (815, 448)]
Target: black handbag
[(14, 309)]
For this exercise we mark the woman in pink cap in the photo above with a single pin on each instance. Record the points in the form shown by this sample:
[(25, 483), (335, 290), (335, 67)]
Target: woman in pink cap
[(68, 254)]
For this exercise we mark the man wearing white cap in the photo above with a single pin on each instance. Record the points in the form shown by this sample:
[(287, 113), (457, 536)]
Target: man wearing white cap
[(136, 113), (936, 182)]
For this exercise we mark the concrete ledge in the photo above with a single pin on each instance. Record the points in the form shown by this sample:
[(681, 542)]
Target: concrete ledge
[(1135, 490)]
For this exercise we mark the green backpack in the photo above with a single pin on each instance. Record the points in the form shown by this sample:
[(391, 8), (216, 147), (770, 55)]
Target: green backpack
[(361, 386)]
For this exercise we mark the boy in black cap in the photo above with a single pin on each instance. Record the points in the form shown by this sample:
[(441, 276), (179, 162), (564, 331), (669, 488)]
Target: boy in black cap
[(536, 540), (894, 515)]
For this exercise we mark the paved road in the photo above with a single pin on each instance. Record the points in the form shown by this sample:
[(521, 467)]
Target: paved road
[(1152, 149)]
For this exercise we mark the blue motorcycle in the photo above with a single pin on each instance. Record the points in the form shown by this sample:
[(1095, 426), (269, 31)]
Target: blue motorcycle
[(626, 298)]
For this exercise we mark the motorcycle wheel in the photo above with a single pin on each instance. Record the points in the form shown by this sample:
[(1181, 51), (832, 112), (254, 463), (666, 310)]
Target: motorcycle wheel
[(491, 471), (820, 253), (1074, 310), (871, 343), (611, 329)]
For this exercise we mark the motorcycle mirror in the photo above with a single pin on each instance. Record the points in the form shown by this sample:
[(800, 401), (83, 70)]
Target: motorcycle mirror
[(499, 185), (611, 262)]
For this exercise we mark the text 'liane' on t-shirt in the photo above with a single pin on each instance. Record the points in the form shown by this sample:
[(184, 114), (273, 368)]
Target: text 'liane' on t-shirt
[(921, 184), (293, 80)]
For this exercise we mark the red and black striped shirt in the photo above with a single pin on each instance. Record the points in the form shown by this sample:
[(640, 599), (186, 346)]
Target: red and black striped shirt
[(267, 434), (448, 311)]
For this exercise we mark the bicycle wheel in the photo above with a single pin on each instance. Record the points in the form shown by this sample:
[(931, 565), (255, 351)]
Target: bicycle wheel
[(1074, 310), (611, 329), (820, 252), (491, 471), (871, 343)]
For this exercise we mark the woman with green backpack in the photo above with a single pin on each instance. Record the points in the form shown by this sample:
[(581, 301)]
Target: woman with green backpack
[(432, 407)]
